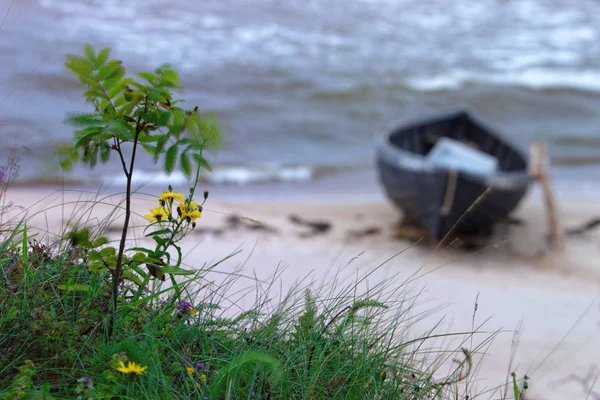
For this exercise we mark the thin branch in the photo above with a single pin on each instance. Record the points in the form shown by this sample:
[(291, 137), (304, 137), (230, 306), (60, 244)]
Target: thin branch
[(119, 266)]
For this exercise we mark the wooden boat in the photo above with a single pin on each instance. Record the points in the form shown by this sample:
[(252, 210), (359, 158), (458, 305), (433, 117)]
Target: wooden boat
[(442, 200)]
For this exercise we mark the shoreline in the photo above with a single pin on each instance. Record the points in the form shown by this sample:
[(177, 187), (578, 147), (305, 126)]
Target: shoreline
[(350, 184)]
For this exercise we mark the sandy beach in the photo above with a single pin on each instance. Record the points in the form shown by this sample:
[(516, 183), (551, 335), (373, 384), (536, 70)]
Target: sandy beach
[(516, 282)]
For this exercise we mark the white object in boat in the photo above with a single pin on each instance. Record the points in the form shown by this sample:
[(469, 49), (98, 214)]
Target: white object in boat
[(450, 153)]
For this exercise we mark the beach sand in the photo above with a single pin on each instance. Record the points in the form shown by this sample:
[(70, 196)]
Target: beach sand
[(551, 296)]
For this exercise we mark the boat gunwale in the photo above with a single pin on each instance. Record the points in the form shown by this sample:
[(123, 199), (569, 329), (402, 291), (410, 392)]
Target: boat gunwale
[(405, 159)]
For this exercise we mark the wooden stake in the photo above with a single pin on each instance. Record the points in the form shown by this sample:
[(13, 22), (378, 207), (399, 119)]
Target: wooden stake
[(539, 169)]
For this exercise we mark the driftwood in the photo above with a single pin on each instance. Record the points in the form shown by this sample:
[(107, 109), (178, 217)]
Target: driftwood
[(539, 169), (235, 221), (358, 234), (584, 228), (454, 240), (315, 227)]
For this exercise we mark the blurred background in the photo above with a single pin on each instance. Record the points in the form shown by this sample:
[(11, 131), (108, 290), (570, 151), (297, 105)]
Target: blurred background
[(302, 88)]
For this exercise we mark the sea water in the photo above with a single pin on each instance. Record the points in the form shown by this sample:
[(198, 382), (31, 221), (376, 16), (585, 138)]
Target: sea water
[(300, 88)]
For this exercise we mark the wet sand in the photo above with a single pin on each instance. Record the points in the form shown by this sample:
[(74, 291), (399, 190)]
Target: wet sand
[(515, 280)]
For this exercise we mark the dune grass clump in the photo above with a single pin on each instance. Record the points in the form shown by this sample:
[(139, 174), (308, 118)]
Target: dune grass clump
[(191, 343), (81, 318)]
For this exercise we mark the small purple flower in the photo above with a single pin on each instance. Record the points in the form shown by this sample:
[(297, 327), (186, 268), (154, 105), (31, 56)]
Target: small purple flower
[(184, 307), (87, 383), (198, 366), (187, 359)]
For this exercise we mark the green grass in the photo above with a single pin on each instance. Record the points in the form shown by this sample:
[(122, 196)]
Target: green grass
[(333, 341)]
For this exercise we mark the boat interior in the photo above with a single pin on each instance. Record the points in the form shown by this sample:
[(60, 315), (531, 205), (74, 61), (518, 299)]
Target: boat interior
[(421, 137)]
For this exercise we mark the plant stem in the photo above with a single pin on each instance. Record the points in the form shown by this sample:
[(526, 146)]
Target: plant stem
[(116, 276)]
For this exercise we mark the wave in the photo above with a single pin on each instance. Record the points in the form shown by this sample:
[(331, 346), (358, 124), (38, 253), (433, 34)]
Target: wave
[(233, 175), (538, 79)]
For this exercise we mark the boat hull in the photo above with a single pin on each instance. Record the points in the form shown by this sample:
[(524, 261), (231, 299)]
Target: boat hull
[(444, 201)]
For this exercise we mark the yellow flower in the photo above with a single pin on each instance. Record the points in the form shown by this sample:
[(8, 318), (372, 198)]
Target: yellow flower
[(131, 368), (191, 205), (193, 311), (190, 211), (156, 214), (203, 376), (192, 215), (170, 196), (190, 370)]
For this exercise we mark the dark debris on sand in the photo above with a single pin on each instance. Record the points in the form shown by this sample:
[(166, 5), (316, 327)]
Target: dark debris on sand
[(315, 227)]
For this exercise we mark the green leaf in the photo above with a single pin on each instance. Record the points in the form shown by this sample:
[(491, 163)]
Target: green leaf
[(120, 101), (109, 70), (165, 231), (156, 271), (192, 127), (93, 158), (160, 146), (63, 150), (160, 241), (155, 95), (210, 132), (128, 108), (89, 52), (147, 138), (113, 81), (201, 161), (120, 87), (104, 152), (177, 271), (178, 119), (107, 252), (149, 149), (74, 288), (168, 78), (66, 165), (516, 390), (102, 57), (185, 165), (150, 116), (85, 140), (97, 267), (129, 275), (99, 241), (163, 118), (93, 94), (84, 120), (140, 257), (171, 158), (149, 76), (186, 141), (74, 155), (81, 66), (120, 129), (141, 249), (105, 108), (93, 256)]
